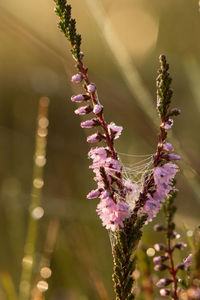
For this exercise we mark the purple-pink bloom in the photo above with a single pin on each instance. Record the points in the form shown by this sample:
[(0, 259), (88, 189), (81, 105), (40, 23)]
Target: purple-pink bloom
[(173, 156), (99, 153), (97, 109), (90, 123), (131, 188), (112, 214), (188, 260), (168, 124), (77, 78), (114, 130), (91, 88), (165, 292), (83, 110), (94, 194), (94, 138), (168, 147), (78, 98)]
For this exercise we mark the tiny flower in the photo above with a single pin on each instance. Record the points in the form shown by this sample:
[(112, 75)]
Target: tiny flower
[(94, 138), (91, 88), (168, 124), (168, 147), (165, 292), (114, 130), (130, 187), (180, 246), (163, 282), (159, 247), (83, 110), (78, 98), (188, 261), (105, 194), (90, 123), (175, 112), (77, 78), (93, 194), (159, 259), (159, 227), (81, 55), (172, 156), (97, 109), (160, 267), (98, 154)]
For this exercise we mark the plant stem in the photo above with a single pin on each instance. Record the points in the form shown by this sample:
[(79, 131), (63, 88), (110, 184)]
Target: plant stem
[(172, 269), (35, 211)]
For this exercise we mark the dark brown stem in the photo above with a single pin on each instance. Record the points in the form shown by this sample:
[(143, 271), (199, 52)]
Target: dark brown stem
[(172, 268)]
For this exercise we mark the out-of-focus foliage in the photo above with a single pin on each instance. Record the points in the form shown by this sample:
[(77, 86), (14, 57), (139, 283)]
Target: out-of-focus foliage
[(35, 62)]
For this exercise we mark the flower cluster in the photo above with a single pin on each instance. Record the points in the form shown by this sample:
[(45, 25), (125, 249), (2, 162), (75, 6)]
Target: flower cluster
[(112, 209)]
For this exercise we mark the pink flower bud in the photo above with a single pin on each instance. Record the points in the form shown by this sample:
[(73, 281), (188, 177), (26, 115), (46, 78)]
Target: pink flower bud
[(159, 259), (94, 138), (161, 267), (90, 123), (91, 88), (159, 247), (168, 147), (78, 98), (175, 112), (97, 109), (81, 55), (83, 110), (93, 194), (114, 130), (174, 157), (77, 78), (163, 282), (180, 246), (168, 124), (165, 292)]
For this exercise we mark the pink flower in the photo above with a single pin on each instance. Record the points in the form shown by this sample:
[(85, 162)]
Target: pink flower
[(174, 157), (165, 173), (91, 88), (83, 110), (114, 130), (94, 194), (97, 109), (112, 214), (99, 153), (94, 138), (77, 78), (80, 98), (188, 260), (90, 123), (168, 124), (168, 147), (130, 187)]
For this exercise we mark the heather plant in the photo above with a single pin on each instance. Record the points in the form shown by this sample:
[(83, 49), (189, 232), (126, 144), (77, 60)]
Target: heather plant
[(126, 206)]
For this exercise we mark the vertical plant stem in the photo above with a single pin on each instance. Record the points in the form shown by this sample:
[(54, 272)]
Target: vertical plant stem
[(172, 269), (35, 211)]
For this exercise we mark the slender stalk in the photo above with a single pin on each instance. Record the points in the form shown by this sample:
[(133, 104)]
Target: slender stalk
[(35, 211), (172, 268)]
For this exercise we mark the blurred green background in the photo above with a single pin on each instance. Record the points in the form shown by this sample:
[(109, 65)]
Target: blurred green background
[(35, 61)]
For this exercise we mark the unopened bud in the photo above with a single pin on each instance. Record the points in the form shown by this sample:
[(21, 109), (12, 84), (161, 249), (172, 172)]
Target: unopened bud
[(164, 282), (159, 227), (159, 247), (159, 259), (165, 292), (160, 267), (179, 246)]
